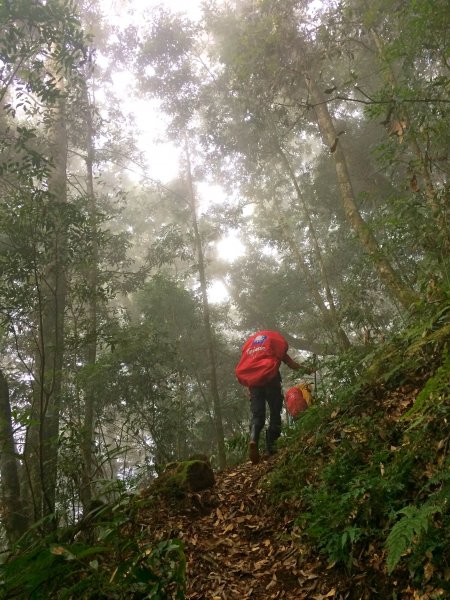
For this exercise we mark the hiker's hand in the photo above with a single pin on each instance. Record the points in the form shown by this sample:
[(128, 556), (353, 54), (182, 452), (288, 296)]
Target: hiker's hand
[(305, 368)]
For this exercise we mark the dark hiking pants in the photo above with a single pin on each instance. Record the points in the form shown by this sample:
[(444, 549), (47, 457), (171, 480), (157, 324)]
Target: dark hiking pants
[(273, 395)]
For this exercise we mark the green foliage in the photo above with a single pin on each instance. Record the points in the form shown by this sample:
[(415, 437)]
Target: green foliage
[(111, 560), (33, 33), (354, 467), (172, 76), (361, 457), (237, 448), (434, 392), (407, 531)]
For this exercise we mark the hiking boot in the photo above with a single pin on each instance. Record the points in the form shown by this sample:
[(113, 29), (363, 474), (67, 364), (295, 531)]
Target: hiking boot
[(271, 443), (253, 452)]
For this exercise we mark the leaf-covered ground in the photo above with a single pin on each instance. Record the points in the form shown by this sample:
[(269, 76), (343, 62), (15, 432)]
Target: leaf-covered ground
[(237, 545), (241, 546)]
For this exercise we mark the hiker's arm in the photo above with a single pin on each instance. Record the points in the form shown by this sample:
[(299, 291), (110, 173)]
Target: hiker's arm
[(293, 364)]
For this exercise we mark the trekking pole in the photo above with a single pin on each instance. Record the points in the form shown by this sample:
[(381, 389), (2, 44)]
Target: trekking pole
[(315, 372)]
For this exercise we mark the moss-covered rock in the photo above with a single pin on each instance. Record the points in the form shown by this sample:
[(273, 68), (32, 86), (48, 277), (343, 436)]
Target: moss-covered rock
[(181, 477)]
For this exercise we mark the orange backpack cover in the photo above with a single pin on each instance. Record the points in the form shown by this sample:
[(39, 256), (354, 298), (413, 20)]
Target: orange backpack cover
[(297, 399)]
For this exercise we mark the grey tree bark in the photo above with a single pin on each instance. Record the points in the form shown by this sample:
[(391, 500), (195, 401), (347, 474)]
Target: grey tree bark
[(41, 451), (14, 518), (218, 424), (399, 290), (92, 279)]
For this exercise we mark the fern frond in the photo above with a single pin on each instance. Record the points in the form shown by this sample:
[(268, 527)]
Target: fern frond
[(407, 531)]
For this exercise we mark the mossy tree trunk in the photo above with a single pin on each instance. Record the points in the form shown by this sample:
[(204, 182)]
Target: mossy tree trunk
[(394, 284)]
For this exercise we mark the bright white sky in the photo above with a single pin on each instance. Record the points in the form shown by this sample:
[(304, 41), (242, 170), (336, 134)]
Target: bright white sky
[(163, 157)]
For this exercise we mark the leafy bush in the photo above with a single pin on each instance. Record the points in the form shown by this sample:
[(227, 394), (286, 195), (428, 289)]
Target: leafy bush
[(111, 560), (236, 448)]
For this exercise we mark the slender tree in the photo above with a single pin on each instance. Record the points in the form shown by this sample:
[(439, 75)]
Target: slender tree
[(42, 439), (399, 290), (14, 518), (277, 30), (206, 315), (92, 305)]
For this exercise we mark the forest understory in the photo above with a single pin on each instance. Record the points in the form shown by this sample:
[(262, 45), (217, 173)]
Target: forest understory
[(243, 543), (238, 545), (354, 505)]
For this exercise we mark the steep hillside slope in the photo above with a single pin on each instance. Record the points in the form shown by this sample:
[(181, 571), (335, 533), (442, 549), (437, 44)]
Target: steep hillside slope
[(367, 472), (355, 505)]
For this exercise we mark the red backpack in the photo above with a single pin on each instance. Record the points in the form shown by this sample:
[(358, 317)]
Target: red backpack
[(261, 357), (298, 399)]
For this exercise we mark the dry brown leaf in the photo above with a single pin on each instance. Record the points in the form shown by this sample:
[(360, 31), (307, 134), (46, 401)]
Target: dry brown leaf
[(308, 575), (397, 128), (271, 583), (330, 594), (428, 571)]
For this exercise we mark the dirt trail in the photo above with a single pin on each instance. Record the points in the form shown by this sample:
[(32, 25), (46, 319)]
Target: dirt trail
[(238, 547)]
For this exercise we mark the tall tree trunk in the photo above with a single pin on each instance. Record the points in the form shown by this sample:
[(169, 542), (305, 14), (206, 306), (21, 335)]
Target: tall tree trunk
[(92, 278), (330, 313), (390, 278), (42, 437), (218, 424), (330, 320), (14, 519)]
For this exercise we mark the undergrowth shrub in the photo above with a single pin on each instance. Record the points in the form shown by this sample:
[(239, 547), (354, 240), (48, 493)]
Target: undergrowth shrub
[(407, 531), (421, 536), (110, 559), (368, 466), (236, 449)]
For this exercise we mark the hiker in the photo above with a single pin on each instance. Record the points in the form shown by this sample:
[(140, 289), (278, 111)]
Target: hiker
[(258, 370)]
